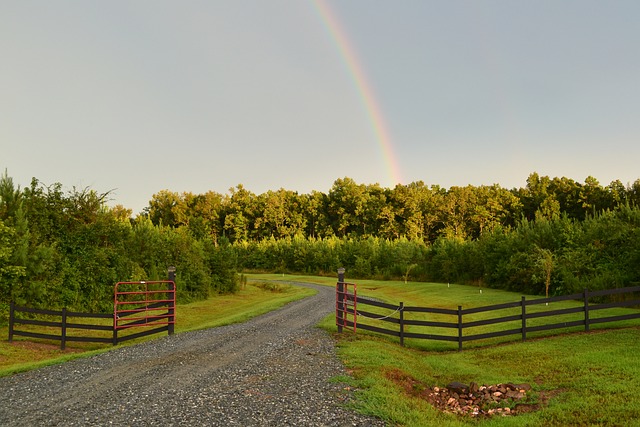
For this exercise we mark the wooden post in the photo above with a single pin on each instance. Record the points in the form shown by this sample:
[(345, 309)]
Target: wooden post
[(586, 310), (524, 319), (171, 312), (340, 299), (63, 338), (115, 315), (459, 328), (12, 313), (402, 324)]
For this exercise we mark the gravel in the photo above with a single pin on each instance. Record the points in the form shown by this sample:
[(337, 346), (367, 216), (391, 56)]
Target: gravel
[(274, 370)]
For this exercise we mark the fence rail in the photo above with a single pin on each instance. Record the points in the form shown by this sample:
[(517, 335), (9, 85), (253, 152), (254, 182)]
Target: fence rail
[(460, 328), (63, 324), (150, 305)]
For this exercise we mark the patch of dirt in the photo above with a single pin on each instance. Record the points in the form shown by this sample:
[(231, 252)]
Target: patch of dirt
[(474, 400)]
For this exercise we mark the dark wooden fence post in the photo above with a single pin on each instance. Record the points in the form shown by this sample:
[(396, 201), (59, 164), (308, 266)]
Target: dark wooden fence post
[(63, 337), (524, 319), (172, 309), (586, 310), (459, 328), (340, 299), (401, 323), (11, 314)]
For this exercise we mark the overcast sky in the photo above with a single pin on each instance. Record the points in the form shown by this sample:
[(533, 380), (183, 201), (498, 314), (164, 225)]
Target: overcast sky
[(142, 96)]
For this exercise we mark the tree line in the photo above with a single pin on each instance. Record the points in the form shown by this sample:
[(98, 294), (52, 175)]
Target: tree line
[(554, 236), (68, 248), (556, 256), (414, 211)]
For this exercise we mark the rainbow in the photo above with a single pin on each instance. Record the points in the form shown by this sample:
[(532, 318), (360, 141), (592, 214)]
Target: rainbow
[(374, 113)]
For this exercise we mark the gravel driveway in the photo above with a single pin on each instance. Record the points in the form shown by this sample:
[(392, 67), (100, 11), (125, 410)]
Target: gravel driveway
[(274, 370)]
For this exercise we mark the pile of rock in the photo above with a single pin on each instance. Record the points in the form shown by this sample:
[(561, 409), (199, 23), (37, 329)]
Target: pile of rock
[(478, 400)]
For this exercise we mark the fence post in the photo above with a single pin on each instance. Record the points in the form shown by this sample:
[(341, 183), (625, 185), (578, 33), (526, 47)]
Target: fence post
[(401, 323), (459, 328), (63, 338), (586, 310), (339, 299), (11, 315), (171, 312), (524, 319)]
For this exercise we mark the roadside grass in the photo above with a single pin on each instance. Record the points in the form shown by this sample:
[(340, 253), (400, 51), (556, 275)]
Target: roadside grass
[(578, 380), (251, 301)]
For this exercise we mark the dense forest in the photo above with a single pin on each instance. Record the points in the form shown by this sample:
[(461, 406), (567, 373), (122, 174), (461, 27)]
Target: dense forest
[(555, 235)]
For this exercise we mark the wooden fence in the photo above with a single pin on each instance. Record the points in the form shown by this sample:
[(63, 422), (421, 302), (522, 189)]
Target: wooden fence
[(149, 305), (62, 322), (525, 321)]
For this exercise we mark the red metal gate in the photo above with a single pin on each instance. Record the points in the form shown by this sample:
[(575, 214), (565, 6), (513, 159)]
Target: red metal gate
[(144, 304), (346, 306)]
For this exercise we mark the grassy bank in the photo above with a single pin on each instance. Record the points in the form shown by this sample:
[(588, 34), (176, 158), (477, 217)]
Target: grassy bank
[(253, 300)]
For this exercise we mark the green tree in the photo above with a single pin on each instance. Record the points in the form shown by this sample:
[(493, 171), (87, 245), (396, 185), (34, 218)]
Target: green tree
[(239, 214), (545, 261), (346, 207), (206, 212), (166, 208), (317, 221), (9, 272), (456, 212)]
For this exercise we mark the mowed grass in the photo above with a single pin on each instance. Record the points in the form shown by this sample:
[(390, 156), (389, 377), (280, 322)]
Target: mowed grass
[(24, 354), (578, 380)]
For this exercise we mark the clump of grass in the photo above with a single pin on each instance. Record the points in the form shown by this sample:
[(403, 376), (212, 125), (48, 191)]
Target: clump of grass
[(274, 287)]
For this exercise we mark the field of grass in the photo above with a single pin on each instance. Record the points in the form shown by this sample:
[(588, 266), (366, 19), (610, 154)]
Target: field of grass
[(578, 379), (253, 300)]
